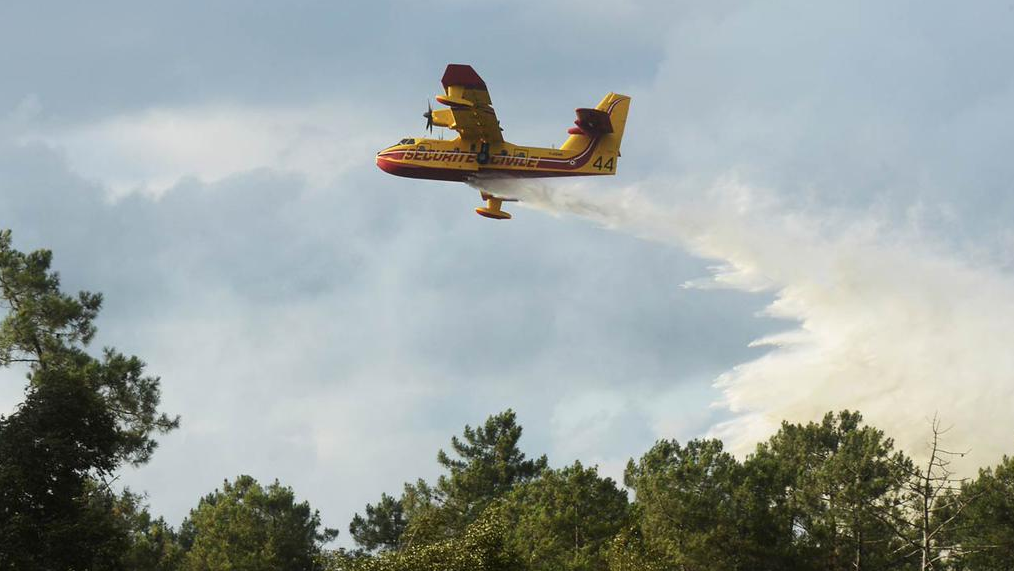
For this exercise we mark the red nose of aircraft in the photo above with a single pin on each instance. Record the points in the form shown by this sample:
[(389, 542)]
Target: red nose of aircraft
[(388, 164)]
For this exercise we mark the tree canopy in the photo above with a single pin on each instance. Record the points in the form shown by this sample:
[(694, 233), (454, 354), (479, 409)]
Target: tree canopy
[(82, 418), (247, 526), (381, 528), (485, 463), (482, 546), (565, 519)]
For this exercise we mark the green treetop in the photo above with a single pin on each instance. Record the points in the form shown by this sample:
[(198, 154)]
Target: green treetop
[(251, 527), (382, 526), (565, 519), (485, 463), (842, 486)]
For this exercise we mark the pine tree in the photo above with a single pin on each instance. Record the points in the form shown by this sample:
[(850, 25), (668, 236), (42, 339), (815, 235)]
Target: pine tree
[(82, 418)]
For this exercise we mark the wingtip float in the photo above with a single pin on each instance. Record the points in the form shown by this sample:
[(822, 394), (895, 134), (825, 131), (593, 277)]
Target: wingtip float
[(592, 147)]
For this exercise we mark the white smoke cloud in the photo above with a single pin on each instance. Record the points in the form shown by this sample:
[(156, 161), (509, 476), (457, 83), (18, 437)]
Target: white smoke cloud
[(151, 150), (879, 317)]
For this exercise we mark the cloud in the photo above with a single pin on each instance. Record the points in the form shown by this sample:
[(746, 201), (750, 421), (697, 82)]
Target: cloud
[(152, 150)]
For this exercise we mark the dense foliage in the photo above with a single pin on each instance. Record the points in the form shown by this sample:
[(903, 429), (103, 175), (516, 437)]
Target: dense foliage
[(82, 418), (382, 526), (565, 519), (482, 546), (486, 464), (827, 495), (831, 495), (247, 526), (986, 527)]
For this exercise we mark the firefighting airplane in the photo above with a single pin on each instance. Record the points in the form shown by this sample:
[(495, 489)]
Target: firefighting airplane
[(592, 148)]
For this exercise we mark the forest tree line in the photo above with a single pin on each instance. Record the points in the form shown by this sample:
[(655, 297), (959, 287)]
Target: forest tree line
[(834, 494)]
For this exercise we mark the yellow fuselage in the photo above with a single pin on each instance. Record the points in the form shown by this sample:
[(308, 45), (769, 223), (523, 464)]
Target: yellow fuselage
[(458, 160)]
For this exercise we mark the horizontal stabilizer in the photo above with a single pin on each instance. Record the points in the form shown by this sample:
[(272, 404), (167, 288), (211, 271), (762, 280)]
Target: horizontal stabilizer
[(593, 122)]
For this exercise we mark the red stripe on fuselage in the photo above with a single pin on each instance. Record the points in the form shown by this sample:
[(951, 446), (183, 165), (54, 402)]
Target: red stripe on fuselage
[(416, 171), (460, 175)]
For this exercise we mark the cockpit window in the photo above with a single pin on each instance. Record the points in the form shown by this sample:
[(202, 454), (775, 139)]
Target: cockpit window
[(406, 142)]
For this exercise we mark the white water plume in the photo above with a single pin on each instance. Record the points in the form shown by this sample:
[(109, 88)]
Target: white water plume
[(880, 318)]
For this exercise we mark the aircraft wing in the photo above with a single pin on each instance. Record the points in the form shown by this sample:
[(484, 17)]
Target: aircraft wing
[(471, 110)]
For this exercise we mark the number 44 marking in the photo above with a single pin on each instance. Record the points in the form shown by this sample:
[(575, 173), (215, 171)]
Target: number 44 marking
[(607, 166)]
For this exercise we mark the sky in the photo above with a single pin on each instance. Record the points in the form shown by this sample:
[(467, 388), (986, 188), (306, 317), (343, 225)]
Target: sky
[(811, 214)]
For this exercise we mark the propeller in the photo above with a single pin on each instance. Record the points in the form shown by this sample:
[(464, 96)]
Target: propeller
[(429, 116)]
